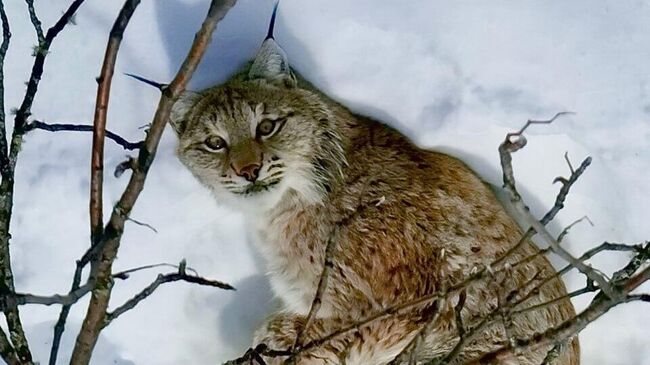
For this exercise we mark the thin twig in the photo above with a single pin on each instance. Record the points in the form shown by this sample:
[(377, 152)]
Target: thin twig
[(35, 22), (37, 70), (126, 273), (460, 327), (589, 288), (155, 84), (8, 160), (505, 150), (7, 351), (328, 263), (530, 122), (142, 224), (320, 290), (59, 327), (161, 279), (568, 162), (566, 230), (599, 306), (36, 124), (6, 37), (411, 351), (642, 255), (16, 299)]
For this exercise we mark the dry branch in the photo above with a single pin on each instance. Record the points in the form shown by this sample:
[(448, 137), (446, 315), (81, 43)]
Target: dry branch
[(35, 22), (320, 290), (36, 124), (123, 275), (599, 306), (16, 299), (7, 352), (180, 275), (8, 160), (505, 151), (107, 247)]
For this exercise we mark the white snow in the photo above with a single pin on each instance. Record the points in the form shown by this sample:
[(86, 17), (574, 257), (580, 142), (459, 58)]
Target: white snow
[(453, 75)]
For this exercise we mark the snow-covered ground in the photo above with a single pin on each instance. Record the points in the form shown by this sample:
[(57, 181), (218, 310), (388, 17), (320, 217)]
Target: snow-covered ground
[(453, 75)]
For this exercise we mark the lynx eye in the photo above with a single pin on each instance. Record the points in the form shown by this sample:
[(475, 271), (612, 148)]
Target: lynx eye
[(215, 143), (267, 127)]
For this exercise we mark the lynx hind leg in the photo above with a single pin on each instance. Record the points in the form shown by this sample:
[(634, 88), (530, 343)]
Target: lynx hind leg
[(377, 343)]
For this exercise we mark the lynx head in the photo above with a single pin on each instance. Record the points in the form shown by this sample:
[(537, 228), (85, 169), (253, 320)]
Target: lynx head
[(260, 137)]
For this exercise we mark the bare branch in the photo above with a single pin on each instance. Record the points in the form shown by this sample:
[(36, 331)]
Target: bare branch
[(129, 164), (35, 22), (59, 327), (37, 71), (161, 279), (81, 128), (566, 230), (530, 122), (589, 288), (155, 84), (16, 299), (125, 274), (320, 290), (568, 162), (6, 37), (640, 297), (108, 246), (599, 306), (8, 160), (254, 354), (7, 352), (83, 349), (142, 224), (99, 123), (410, 352), (505, 150), (460, 327)]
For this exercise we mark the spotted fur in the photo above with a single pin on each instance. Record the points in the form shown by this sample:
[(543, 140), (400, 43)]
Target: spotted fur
[(407, 222)]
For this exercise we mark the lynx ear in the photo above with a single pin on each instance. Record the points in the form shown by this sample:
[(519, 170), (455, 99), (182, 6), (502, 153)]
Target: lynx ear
[(271, 63), (178, 114)]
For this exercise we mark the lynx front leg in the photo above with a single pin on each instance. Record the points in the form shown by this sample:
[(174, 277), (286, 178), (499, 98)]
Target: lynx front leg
[(377, 343), (279, 333)]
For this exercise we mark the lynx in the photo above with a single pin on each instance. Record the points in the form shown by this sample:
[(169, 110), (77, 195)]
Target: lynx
[(406, 223)]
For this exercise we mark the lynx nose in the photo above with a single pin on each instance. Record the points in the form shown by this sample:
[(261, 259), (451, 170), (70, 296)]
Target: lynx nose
[(248, 172)]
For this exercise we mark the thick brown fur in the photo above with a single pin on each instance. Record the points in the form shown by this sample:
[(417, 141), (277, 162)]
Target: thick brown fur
[(407, 222)]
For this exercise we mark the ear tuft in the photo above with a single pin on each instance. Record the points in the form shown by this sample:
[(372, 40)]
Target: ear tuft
[(180, 109), (271, 63)]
